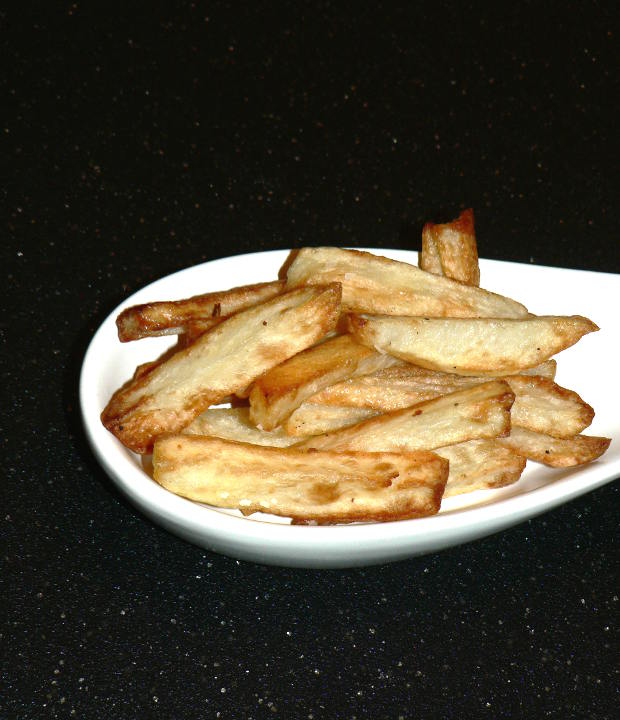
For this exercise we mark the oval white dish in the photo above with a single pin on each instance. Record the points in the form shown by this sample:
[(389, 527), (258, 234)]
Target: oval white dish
[(589, 368)]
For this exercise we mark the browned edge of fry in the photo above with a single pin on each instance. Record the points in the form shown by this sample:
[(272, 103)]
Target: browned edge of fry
[(170, 317), (555, 452)]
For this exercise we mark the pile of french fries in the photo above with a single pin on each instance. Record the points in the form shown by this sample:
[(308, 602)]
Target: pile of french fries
[(359, 389)]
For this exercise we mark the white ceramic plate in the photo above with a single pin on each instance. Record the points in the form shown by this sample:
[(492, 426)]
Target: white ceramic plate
[(590, 368)]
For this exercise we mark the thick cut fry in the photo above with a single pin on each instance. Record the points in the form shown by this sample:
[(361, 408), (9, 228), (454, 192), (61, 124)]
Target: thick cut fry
[(404, 384), (450, 249), (312, 419), (234, 424), (471, 346), (540, 404), (377, 285), (479, 412), (278, 392), (555, 452), (172, 318), (545, 407), (309, 487), (480, 465), (223, 360)]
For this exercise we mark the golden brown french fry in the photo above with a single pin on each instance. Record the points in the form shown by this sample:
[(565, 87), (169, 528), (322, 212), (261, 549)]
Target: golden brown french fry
[(540, 404), (404, 384), (545, 407), (317, 487), (552, 451), (480, 465), (313, 419), (277, 393), (478, 412), (450, 249), (377, 285), (171, 318), (471, 346), (235, 424), (223, 360)]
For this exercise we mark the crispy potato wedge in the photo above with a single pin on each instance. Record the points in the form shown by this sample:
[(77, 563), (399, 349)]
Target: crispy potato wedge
[(277, 393), (540, 404), (404, 384), (545, 407), (171, 318), (478, 412), (552, 451), (223, 360), (450, 249), (313, 419), (309, 487), (480, 465), (471, 346), (377, 285), (235, 424)]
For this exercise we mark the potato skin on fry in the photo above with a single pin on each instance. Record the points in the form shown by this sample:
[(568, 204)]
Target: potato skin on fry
[(309, 487), (450, 249), (171, 317), (223, 360)]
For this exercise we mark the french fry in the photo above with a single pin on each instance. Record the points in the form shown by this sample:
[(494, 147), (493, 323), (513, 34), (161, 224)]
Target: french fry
[(552, 451), (450, 249), (377, 285), (404, 384), (545, 407), (471, 346), (313, 419), (234, 424), (479, 412), (172, 317), (317, 487), (277, 393), (223, 360), (480, 465), (540, 404)]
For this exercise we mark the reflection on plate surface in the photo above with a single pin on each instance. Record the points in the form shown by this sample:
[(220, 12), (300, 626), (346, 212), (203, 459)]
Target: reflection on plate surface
[(586, 368)]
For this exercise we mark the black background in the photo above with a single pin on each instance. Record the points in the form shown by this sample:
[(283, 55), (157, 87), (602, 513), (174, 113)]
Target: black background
[(136, 142)]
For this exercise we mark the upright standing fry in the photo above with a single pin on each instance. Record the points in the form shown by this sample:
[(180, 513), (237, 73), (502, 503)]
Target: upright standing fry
[(450, 249)]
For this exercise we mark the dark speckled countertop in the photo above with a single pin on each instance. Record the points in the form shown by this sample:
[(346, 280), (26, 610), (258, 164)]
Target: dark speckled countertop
[(133, 146)]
